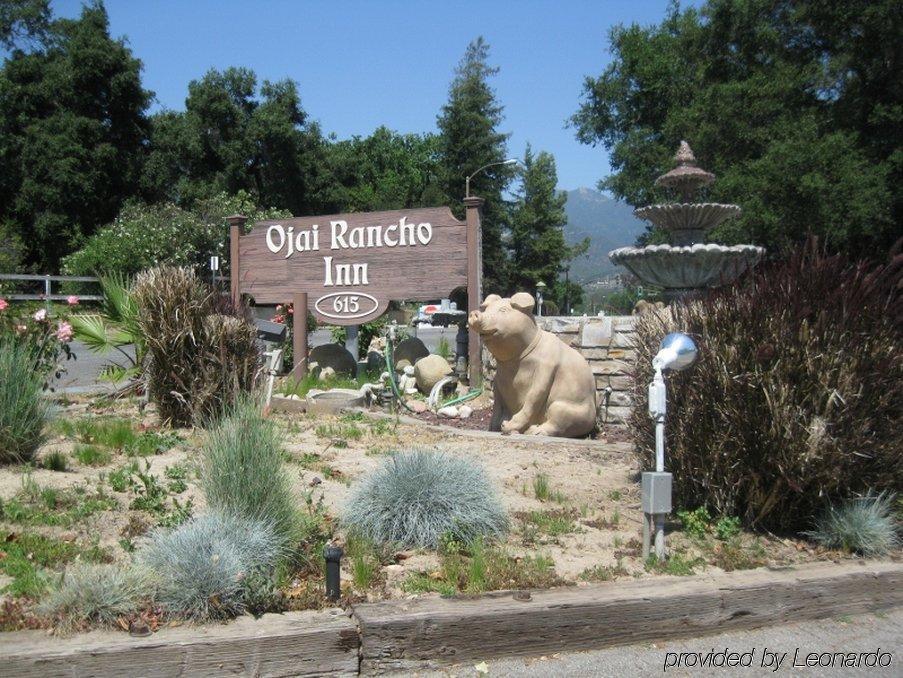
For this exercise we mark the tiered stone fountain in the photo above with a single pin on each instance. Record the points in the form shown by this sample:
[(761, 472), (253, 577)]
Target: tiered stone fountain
[(687, 265)]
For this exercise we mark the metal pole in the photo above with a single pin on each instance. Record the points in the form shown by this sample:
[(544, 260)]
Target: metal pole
[(47, 292), (351, 334)]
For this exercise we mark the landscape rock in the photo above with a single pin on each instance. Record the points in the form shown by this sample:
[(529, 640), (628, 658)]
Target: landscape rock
[(464, 412), (376, 363), (418, 406), (448, 412), (402, 365), (429, 370), (335, 356), (326, 373), (411, 349)]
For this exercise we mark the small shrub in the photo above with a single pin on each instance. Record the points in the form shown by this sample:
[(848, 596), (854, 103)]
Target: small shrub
[(864, 525), (23, 410), (727, 528), (418, 496), (796, 393), (243, 471), (200, 567), (100, 594), (55, 461), (200, 361), (696, 522), (541, 487)]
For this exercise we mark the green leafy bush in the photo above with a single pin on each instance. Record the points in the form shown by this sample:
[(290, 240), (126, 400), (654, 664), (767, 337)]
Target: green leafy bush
[(865, 525), (144, 236), (201, 568), (796, 393), (418, 497), (200, 360), (243, 471), (23, 410), (92, 593)]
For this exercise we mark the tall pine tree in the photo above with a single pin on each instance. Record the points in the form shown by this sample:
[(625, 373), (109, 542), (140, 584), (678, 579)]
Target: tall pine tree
[(72, 130), (538, 249), (469, 139)]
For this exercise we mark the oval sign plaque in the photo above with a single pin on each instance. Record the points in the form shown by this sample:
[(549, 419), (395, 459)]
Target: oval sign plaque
[(346, 305)]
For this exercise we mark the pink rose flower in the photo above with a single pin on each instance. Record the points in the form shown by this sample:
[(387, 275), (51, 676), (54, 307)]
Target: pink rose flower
[(291, 311), (40, 315), (72, 300), (4, 304), (64, 332)]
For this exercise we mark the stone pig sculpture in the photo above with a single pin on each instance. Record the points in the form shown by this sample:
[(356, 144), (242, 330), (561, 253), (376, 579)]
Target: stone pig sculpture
[(542, 386)]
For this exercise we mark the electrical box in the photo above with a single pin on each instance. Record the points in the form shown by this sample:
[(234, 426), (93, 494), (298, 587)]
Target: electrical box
[(656, 492), (657, 403), (270, 331)]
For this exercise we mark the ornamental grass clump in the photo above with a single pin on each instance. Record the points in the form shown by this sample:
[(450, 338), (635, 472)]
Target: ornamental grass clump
[(202, 568), (201, 356), (795, 397), (23, 410), (243, 471), (95, 594), (420, 497), (864, 525)]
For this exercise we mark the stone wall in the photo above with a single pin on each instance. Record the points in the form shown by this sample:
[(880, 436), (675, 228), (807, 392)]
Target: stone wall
[(606, 343)]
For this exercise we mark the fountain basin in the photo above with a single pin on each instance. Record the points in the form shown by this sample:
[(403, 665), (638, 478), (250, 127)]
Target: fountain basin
[(683, 268), (687, 222)]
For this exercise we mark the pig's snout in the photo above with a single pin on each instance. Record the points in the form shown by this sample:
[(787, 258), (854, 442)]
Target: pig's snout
[(475, 320)]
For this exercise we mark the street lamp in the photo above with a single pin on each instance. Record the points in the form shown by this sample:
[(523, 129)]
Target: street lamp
[(540, 288), (509, 161), (676, 352)]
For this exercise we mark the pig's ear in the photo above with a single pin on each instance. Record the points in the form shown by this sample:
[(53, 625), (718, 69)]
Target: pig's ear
[(523, 302), (491, 299)]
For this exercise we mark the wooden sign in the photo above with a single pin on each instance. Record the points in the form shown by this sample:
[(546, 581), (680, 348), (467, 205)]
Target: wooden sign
[(352, 265)]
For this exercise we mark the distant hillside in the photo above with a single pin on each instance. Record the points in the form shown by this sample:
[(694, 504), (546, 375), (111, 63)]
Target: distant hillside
[(607, 222)]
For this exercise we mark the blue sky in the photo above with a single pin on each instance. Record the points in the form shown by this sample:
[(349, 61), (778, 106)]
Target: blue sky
[(361, 64)]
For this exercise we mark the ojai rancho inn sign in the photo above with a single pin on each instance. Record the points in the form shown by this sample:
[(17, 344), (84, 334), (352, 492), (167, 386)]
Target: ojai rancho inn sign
[(352, 265)]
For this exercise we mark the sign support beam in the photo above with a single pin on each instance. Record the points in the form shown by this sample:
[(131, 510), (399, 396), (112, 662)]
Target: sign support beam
[(236, 223), (299, 335)]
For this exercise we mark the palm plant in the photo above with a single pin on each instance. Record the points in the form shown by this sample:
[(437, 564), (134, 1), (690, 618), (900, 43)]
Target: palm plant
[(113, 329)]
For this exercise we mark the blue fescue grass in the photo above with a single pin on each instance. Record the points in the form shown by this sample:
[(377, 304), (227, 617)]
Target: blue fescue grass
[(420, 497), (23, 410), (865, 525)]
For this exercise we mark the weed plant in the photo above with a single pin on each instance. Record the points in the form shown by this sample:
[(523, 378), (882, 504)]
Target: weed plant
[(23, 410), (418, 496), (55, 461), (864, 525)]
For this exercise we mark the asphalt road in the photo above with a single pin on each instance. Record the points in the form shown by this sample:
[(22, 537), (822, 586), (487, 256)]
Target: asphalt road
[(82, 372), (864, 633)]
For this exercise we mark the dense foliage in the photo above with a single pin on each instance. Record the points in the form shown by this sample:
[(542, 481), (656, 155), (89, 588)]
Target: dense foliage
[(795, 397), (201, 360), (796, 106), (72, 130)]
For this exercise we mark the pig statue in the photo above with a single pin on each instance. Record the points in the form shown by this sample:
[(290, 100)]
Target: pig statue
[(542, 386)]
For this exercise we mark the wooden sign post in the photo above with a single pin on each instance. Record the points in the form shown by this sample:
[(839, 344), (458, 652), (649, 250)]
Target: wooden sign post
[(350, 266)]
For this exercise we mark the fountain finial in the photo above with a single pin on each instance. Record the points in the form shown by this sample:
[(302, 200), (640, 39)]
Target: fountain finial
[(686, 178)]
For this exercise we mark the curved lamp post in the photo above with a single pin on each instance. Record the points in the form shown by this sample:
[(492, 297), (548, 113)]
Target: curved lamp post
[(676, 352), (509, 161)]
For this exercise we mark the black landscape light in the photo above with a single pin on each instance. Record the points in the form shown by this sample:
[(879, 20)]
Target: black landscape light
[(333, 555)]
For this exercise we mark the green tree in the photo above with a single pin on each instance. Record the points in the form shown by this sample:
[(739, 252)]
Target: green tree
[(783, 100), (23, 22), (538, 218), (234, 136), (72, 130), (385, 171), (469, 139)]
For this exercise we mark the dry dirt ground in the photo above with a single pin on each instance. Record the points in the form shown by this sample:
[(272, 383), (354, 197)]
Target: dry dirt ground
[(588, 521)]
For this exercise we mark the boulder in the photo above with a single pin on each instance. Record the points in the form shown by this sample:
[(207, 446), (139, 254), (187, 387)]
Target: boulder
[(429, 370), (326, 373), (335, 356), (411, 349)]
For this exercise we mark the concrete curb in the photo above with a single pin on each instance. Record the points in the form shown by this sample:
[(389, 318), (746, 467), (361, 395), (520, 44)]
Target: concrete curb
[(407, 635)]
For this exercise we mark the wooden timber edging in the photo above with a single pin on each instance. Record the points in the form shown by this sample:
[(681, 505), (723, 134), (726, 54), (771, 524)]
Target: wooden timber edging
[(429, 632), (406, 635)]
